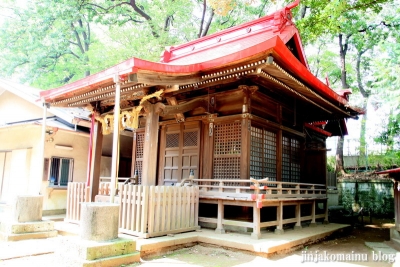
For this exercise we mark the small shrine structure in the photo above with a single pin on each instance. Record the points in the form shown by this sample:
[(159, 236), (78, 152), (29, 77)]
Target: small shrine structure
[(238, 112)]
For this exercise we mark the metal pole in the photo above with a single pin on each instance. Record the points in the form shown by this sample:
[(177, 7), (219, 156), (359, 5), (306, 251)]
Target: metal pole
[(38, 184), (115, 156)]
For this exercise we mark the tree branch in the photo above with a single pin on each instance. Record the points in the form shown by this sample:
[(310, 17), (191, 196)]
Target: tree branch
[(202, 18), (77, 37), (364, 93), (207, 27)]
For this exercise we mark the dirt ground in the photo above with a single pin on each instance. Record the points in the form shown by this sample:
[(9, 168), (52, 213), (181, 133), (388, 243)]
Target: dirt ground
[(348, 243), (351, 244)]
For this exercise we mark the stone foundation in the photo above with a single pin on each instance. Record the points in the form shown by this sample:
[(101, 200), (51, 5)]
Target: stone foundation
[(98, 243), (24, 220)]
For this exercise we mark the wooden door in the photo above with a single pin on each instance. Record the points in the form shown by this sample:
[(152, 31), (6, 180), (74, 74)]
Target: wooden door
[(180, 152)]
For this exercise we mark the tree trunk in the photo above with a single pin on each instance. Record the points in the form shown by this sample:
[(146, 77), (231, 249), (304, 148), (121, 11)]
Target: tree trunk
[(365, 95), (343, 46)]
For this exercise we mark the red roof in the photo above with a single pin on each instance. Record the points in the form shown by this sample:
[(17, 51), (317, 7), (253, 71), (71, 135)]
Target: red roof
[(397, 170), (266, 36)]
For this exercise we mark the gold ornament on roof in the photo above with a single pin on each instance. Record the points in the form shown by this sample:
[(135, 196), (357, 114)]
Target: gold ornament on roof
[(127, 119), (107, 123)]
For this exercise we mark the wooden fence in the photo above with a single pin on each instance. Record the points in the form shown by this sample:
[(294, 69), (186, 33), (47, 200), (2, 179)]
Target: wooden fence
[(148, 211), (77, 193)]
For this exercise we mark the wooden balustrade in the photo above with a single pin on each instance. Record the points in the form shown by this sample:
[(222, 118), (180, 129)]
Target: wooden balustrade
[(245, 189), (77, 193)]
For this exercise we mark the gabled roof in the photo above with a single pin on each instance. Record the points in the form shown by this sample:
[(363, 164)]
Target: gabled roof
[(268, 49), (31, 95)]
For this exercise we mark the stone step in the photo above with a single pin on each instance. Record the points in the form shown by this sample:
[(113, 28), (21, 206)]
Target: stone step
[(112, 261), (25, 236), (26, 227), (394, 243)]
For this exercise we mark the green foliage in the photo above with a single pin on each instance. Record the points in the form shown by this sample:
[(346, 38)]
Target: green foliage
[(372, 196), (330, 164), (390, 137)]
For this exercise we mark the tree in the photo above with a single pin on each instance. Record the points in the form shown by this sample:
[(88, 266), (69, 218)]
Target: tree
[(348, 23), (46, 43), (50, 43)]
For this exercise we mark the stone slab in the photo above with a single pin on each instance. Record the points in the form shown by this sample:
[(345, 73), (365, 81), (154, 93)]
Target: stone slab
[(26, 227), (26, 236), (73, 251)]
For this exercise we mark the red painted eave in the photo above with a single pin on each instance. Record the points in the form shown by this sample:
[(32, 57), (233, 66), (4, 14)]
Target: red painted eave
[(316, 129), (397, 170)]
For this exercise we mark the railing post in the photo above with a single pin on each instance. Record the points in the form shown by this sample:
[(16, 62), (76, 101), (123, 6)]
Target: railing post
[(220, 228), (256, 222), (313, 223), (298, 216), (279, 217)]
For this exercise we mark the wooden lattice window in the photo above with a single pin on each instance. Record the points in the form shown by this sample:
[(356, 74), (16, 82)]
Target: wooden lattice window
[(262, 154), (190, 138), (227, 150), (290, 159), (139, 154), (172, 140)]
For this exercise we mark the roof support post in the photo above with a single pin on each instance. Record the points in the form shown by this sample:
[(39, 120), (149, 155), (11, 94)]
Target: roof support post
[(115, 147), (89, 169), (150, 144), (95, 160), (37, 186)]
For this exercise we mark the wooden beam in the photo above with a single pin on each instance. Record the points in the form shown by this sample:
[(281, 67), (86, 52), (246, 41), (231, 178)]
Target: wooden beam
[(181, 108), (173, 102)]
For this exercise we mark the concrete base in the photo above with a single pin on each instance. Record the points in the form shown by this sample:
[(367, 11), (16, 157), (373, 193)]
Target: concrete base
[(14, 231), (77, 252), (313, 225), (296, 227)]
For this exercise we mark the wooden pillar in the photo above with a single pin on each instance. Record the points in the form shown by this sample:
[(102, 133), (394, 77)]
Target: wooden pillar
[(220, 227), (115, 147), (279, 218), (313, 223), (298, 216), (150, 147), (96, 160), (279, 155), (326, 219), (256, 222), (279, 146), (207, 149), (35, 189), (396, 206), (245, 150)]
